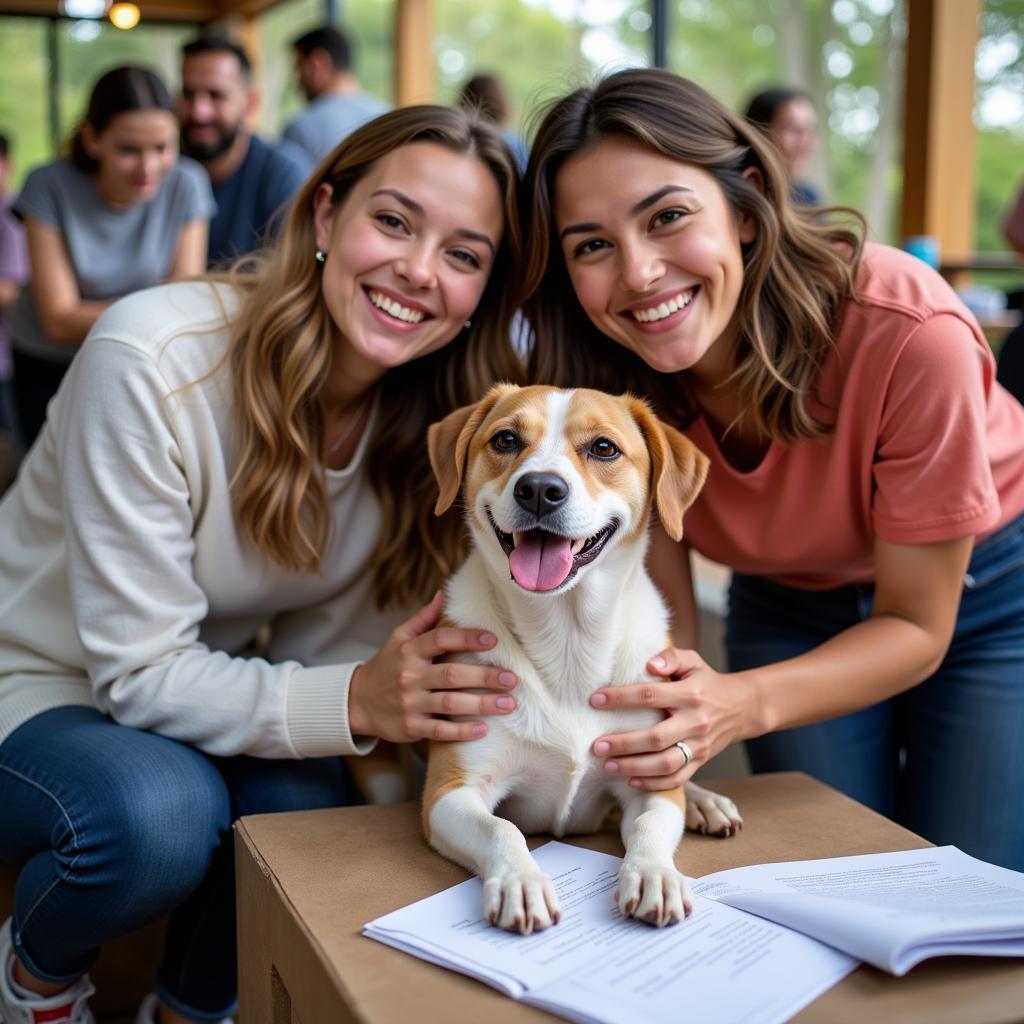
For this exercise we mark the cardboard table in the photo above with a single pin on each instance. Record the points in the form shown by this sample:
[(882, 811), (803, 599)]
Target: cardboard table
[(308, 881)]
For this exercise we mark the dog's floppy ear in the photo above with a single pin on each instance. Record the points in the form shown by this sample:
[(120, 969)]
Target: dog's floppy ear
[(448, 444), (678, 467)]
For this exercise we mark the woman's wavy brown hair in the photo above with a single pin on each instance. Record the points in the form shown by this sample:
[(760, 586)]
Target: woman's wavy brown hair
[(797, 272), (280, 358)]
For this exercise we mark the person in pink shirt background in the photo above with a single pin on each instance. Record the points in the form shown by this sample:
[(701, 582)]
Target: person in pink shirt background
[(13, 274), (867, 477)]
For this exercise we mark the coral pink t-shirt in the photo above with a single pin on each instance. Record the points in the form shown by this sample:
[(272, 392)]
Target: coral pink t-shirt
[(926, 445)]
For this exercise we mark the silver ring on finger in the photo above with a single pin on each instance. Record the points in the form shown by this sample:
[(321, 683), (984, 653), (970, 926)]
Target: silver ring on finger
[(685, 751)]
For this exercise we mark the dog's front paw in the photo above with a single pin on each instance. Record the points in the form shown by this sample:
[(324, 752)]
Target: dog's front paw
[(521, 901), (653, 892), (710, 813)]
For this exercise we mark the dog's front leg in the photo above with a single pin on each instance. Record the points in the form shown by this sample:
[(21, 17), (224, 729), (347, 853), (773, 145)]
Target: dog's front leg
[(650, 887), (518, 896), (460, 823)]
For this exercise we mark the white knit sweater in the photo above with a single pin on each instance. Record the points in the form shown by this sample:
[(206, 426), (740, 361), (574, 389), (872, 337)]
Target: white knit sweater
[(124, 581)]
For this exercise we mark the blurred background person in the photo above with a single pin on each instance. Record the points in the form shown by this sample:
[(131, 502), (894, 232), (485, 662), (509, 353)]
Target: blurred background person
[(788, 118), (13, 274), (485, 93), (253, 179), (1010, 367), (1013, 222), (1010, 370), (325, 74), (121, 213)]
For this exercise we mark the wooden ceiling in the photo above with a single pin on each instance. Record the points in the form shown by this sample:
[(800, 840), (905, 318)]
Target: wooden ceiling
[(939, 155), (191, 11)]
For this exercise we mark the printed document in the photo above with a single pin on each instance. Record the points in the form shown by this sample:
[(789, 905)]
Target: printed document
[(763, 941), (721, 964), (891, 909)]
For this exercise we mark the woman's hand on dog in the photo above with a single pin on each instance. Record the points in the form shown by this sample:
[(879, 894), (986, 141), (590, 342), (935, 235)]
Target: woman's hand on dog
[(705, 709), (402, 694)]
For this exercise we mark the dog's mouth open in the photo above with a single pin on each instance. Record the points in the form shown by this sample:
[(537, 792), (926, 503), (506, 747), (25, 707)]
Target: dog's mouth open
[(540, 560)]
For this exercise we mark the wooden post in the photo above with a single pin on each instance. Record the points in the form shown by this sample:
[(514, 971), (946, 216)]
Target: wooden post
[(414, 57), (250, 36), (938, 128)]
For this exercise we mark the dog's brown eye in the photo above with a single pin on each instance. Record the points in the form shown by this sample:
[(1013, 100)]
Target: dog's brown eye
[(604, 449), (506, 441)]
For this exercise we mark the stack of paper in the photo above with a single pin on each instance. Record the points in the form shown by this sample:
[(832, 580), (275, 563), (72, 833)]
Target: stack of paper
[(763, 941), (721, 964)]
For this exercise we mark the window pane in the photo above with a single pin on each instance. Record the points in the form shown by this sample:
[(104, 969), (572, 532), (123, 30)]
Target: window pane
[(848, 55), (538, 48), (999, 116), (88, 49), (369, 27), (24, 106)]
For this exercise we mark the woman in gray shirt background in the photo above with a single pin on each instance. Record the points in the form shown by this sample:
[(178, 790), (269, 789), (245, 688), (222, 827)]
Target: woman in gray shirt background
[(122, 212)]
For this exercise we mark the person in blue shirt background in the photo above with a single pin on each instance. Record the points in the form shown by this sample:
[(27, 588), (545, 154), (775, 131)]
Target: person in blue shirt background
[(485, 93), (337, 104), (253, 179), (787, 116)]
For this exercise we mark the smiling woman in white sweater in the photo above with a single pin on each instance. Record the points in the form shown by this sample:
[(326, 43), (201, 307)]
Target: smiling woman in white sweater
[(208, 563)]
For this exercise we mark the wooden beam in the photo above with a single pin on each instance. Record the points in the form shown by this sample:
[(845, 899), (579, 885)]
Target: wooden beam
[(244, 8), (188, 11), (938, 126), (43, 8), (250, 35), (413, 50)]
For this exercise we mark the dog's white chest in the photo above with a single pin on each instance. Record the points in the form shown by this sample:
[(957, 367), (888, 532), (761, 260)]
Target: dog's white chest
[(539, 758), (545, 766)]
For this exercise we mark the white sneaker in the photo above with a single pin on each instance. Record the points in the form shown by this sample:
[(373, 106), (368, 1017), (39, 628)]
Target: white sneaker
[(68, 1007), (147, 1011)]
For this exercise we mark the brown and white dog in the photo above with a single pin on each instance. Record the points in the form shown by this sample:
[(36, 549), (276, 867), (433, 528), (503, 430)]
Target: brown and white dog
[(558, 488)]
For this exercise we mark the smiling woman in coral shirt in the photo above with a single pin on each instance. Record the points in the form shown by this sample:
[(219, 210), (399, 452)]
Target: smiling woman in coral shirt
[(867, 477)]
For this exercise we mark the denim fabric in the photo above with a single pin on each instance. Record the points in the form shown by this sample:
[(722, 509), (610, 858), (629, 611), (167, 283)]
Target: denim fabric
[(945, 759), (116, 827)]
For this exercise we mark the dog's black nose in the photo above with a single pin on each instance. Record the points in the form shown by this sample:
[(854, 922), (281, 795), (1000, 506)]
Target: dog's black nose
[(540, 493)]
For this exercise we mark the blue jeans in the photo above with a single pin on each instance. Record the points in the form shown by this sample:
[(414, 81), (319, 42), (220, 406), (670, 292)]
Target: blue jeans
[(945, 758), (116, 827)]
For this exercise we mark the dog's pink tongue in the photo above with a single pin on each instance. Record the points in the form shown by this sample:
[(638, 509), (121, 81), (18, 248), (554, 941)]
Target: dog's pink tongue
[(540, 561)]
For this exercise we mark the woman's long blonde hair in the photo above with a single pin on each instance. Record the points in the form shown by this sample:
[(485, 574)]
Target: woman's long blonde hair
[(797, 272), (280, 355)]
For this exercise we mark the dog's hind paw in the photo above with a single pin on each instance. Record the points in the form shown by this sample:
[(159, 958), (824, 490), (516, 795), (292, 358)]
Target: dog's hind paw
[(521, 901), (653, 893), (710, 813)]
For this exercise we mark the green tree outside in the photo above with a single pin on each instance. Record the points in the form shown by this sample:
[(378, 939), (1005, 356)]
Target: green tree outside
[(840, 49)]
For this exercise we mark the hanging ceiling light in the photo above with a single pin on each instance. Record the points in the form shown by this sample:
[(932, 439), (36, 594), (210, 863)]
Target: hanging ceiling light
[(124, 15), (84, 8)]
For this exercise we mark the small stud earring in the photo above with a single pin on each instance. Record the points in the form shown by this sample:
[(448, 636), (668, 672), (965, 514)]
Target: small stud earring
[(467, 324), (320, 256)]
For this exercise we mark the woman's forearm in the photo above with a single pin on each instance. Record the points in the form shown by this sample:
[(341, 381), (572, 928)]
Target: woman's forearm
[(190, 256), (70, 326), (862, 665), (65, 317), (9, 291), (917, 594)]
